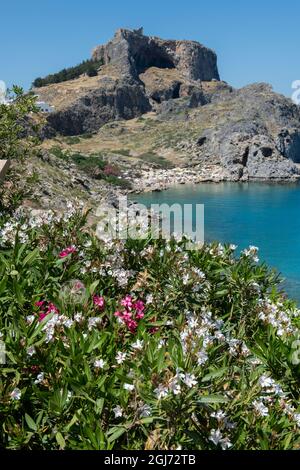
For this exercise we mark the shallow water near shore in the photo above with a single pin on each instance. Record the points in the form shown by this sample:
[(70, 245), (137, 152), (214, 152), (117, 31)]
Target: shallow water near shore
[(261, 214)]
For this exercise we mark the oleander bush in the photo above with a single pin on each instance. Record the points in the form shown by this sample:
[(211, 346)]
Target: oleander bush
[(141, 344)]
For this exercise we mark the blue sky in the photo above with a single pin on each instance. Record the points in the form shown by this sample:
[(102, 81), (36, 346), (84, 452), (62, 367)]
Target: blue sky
[(255, 41)]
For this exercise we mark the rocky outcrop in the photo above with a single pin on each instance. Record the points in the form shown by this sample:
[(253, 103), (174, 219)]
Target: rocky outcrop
[(252, 133), (125, 86), (115, 100), (137, 53)]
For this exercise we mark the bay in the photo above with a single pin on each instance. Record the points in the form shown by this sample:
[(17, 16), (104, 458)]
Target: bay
[(261, 214)]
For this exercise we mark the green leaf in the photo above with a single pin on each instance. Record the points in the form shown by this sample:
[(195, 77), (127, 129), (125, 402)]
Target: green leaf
[(116, 432), (31, 257), (213, 399), (39, 328), (71, 423), (93, 286), (30, 422), (214, 375), (14, 272), (60, 440)]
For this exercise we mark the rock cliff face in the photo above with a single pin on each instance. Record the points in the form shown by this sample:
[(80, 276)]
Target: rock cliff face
[(137, 53), (259, 137), (112, 100)]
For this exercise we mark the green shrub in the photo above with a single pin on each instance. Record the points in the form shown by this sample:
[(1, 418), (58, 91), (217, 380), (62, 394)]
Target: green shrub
[(72, 140), (90, 67), (158, 160), (118, 181), (91, 164), (58, 152), (88, 135), (141, 344)]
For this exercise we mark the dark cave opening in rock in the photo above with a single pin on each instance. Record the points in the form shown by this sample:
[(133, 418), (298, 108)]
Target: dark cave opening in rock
[(267, 151), (176, 91), (152, 57), (245, 157), (201, 141)]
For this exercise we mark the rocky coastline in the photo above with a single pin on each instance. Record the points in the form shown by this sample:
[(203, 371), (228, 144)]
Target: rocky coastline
[(160, 180)]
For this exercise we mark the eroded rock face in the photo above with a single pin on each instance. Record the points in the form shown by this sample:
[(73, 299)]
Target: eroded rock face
[(252, 133), (136, 53), (120, 100)]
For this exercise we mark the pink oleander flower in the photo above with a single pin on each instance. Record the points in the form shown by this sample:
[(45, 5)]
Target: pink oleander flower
[(133, 311), (154, 329), (99, 301), (46, 309), (127, 302), (139, 306), (132, 325), (67, 251), (40, 303), (51, 309)]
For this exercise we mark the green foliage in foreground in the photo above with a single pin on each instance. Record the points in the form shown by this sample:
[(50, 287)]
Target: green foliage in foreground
[(208, 364), (18, 137), (90, 67), (13, 124)]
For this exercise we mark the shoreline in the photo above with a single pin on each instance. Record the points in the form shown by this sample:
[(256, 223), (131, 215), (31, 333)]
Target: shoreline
[(157, 180)]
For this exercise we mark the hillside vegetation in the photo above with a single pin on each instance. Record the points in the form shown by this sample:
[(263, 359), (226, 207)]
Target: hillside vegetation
[(89, 67)]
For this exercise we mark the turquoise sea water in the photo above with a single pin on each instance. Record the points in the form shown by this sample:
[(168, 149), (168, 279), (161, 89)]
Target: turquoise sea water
[(260, 214)]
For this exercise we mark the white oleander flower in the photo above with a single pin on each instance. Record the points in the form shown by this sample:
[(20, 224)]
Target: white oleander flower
[(16, 394), (30, 319), (118, 411), (189, 380), (145, 411), (260, 408), (217, 438), (161, 392), (99, 364), (202, 358), (121, 357), (138, 344), (39, 378), (128, 387), (78, 317)]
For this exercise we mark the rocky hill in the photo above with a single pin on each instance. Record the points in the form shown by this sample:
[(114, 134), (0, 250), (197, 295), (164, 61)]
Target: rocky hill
[(160, 104)]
